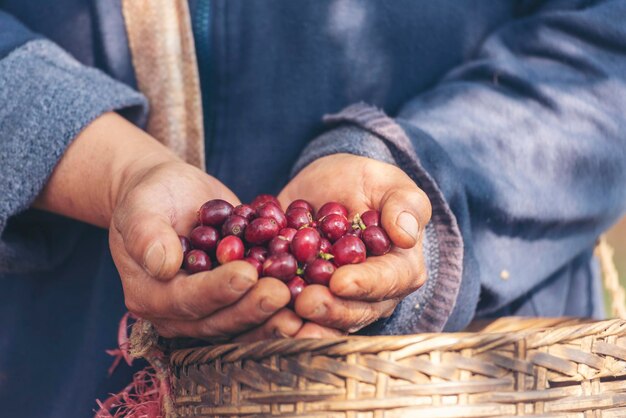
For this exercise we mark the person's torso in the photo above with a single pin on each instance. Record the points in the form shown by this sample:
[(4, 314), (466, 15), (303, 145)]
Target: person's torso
[(270, 70)]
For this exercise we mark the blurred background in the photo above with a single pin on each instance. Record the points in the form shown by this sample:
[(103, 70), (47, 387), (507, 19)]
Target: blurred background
[(617, 238)]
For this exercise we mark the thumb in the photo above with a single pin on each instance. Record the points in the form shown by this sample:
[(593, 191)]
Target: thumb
[(152, 242), (404, 214)]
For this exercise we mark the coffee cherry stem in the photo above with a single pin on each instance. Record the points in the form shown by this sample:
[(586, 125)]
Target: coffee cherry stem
[(326, 256), (357, 222)]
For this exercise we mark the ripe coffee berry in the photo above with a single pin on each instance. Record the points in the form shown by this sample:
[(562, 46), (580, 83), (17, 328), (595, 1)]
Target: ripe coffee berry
[(355, 231), (348, 250), (300, 203), (197, 261), (262, 199), (282, 266), (258, 253), (261, 230), (332, 207), (306, 244), (278, 245), (376, 240), (296, 286), (288, 233), (204, 238), (298, 218), (214, 212), (319, 271), (271, 210), (334, 226), (292, 246), (370, 217), (245, 211), (234, 225), (325, 246), (230, 248)]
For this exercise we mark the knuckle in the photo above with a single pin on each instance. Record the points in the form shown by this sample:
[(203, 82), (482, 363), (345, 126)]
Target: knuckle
[(362, 318), (336, 317), (344, 317), (392, 271), (120, 215), (367, 281), (362, 286), (250, 316), (253, 314)]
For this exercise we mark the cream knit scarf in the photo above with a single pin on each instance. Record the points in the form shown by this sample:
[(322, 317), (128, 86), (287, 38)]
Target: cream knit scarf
[(164, 57)]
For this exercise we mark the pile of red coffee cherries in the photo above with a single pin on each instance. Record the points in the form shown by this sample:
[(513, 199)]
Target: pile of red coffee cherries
[(299, 246)]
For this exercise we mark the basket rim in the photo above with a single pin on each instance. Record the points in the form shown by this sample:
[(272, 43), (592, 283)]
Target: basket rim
[(536, 331)]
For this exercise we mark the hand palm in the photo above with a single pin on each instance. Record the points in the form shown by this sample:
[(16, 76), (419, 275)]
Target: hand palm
[(360, 294)]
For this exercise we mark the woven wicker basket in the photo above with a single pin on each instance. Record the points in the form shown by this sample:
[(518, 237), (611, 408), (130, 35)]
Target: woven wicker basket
[(559, 367), (530, 367)]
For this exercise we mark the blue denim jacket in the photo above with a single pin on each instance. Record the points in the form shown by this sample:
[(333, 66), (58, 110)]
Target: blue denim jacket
[(509, 114)]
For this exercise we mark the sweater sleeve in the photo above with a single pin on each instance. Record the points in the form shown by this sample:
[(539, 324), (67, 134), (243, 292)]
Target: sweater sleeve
[(522, 151), (46, 99)]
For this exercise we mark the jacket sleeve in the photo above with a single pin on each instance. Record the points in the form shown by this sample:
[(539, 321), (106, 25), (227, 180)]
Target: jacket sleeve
[(46, 99), (522, 151)]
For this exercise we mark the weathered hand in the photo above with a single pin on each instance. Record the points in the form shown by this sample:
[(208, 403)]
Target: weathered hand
[(362, 293), (116, 176), (155, 204)]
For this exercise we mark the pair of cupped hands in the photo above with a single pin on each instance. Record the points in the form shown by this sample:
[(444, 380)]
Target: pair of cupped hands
[(159, 202)]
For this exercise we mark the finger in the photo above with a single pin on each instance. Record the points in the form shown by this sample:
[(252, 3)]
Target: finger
[(393, 275), (151, 241), (260, 303), (313, 330), (188, 296), (405, 211), (283, 324), (318, 305), (285, 198)]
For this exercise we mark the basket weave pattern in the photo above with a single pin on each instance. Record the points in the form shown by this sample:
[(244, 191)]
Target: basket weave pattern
[(513, 368)]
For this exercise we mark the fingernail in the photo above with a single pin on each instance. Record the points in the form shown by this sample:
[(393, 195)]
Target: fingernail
[(239, 282), (154, 258), (268, 306), (318, 312), (408, 224)]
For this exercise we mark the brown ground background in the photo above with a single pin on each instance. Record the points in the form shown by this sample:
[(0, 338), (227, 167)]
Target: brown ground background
[(617, 238)]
